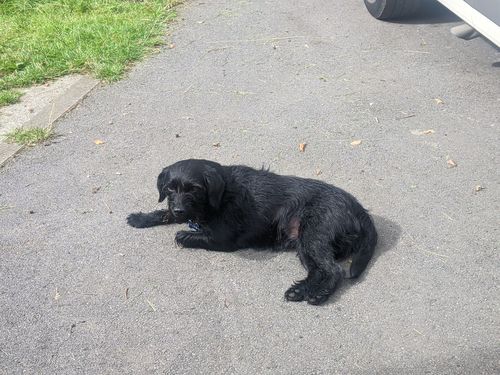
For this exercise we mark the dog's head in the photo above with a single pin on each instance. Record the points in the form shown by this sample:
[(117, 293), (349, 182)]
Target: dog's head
[(191, 187)]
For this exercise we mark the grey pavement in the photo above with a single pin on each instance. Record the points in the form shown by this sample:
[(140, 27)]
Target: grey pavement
[(83, 293)]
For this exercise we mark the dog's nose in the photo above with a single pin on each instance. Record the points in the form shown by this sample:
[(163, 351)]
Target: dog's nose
[(178, 211)]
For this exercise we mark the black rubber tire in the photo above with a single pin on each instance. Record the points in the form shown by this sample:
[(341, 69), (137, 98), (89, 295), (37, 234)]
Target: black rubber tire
[(391, 9)]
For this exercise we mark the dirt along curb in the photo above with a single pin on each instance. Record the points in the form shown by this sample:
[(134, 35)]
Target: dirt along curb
[(41, 107)]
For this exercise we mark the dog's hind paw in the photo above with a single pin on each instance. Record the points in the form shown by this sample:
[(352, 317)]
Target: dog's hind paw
[(317, 300), (318, 296), (296, 293)]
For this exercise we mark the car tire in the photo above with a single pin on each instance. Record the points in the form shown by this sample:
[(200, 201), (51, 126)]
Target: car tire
[(389, 9)]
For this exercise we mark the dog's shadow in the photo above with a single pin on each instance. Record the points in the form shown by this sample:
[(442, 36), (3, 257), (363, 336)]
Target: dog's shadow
[(260, 255)]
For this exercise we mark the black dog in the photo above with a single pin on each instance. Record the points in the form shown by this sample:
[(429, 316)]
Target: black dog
[(234, 207)]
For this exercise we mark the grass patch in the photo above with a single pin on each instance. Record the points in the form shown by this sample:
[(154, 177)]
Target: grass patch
[(44, 39), (29, 137), (9, 97)]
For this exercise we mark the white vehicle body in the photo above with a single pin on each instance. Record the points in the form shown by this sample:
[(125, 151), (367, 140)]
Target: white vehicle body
[(481, 15)]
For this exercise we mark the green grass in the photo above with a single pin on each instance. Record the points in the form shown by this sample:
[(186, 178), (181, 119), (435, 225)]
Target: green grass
[(44, 39), (9, 97), (29, 137)]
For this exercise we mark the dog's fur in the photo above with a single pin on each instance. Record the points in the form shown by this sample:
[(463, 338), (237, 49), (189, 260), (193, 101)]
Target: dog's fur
[(237, 207)]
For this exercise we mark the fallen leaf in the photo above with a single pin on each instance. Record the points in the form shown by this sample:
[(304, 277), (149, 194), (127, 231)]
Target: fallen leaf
[(217, 144), (451, 163), (302, 147), (356, 142), (318, 172), (126, 293), (96, 189), (422, 132), (478, 188), (243, 93), (99, 142), (171, 45), (439, 101)]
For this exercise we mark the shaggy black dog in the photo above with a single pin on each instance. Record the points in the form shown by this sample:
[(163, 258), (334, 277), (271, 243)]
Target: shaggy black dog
[(234, 207)]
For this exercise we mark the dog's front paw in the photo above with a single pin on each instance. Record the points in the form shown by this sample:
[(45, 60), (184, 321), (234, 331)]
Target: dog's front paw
[(182, 238), (138, 220)]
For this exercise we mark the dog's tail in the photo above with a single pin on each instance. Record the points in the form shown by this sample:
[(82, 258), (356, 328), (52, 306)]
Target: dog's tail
[(364, 246)]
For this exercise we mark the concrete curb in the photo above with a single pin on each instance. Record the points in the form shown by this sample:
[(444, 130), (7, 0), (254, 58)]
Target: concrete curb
[(52, 112)]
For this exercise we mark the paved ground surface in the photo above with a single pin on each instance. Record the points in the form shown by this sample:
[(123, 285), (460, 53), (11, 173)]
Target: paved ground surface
[(80, 292)]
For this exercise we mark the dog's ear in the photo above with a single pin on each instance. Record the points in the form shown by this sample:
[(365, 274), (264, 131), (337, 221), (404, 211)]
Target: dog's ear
[(163, 180), (215, 186)]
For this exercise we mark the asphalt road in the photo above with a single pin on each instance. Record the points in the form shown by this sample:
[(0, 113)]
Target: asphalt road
[(83, 293)]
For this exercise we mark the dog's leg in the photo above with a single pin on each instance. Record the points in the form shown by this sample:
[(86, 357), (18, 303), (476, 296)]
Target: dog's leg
[(322, 284), (151, 219), (323, 272), (202, 240)]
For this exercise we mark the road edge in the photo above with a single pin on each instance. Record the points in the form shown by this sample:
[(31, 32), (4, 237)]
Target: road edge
[(61, 105)]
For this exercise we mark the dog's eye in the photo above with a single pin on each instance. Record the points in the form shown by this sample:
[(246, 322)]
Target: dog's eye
[(190, 188)]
